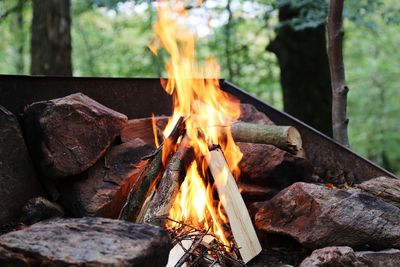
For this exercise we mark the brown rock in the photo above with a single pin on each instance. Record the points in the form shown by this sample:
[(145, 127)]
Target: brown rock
[(253, 192), (387, 189), (317, 216), (384, 258), (108, 182), (18, 181), (86, 242), (68, 135), (249, 113), (269, 165), (39, 209), (332, 256)]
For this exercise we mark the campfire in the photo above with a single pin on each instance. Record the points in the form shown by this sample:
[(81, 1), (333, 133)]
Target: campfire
[(195, 188), (215, 182)]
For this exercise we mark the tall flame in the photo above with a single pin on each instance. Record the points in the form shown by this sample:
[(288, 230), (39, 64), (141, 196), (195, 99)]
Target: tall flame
[(209, 112)]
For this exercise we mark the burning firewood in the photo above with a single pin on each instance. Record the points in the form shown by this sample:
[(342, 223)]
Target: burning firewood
[(161, 202), (149, 177)]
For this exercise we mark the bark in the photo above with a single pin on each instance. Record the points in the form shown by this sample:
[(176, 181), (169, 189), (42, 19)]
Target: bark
[(305, 78), (284, 137), (169, 185), (228, 43), (19, 24), (51, 38), (150, 176), (336, 64)]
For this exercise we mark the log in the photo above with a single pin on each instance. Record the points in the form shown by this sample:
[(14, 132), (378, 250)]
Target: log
[(142, 128), (149, 177), (238, 215), (164, 197), (284, 137)]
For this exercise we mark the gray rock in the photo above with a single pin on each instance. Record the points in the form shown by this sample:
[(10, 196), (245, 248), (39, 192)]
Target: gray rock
[(68, 135), (18, 181), (387, 189), (103, 192), (317, 216), (39, 209), (332, 256), (384, 258), (86, 242)]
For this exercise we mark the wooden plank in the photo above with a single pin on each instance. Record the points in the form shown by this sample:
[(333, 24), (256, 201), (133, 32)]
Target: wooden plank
[(239, 219)]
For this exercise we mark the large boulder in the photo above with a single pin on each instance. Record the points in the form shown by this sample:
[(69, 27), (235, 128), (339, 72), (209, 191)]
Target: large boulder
[(86, 242), (269, 165), (18, 181), (317, 216), (103, 192), (68, 135)]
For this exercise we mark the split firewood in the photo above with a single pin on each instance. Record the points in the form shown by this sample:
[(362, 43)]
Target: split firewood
[(149, 177), (142, 128), (238, 215), (285, 137), (168, 187)]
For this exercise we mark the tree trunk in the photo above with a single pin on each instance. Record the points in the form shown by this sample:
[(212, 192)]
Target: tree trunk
[(19, 27), (51, 38), (339, 87), (305, 78)]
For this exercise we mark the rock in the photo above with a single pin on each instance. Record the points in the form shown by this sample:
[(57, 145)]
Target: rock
[(317, 216), (104, 191), (252, 192), (18, 181), (332, 256), (39, 209), (68, 135), (249, 113), (384, 258), (269, 165), (86, 242), (387, 189)]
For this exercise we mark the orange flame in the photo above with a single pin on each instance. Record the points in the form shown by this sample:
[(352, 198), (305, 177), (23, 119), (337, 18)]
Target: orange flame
[(209, 112)]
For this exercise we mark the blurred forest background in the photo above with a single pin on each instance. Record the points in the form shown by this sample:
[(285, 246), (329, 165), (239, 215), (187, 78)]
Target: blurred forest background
[(275, 49)]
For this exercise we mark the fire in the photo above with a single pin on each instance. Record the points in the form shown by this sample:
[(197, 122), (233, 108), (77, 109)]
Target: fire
[(208, 113)]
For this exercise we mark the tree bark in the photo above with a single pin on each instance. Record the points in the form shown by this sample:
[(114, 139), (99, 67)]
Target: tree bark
[(19, 25), (339, 87), (305, 78), (51, 38)]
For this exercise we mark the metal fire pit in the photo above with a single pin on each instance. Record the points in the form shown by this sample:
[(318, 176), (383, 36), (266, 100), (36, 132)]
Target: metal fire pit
[(140, 97)]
